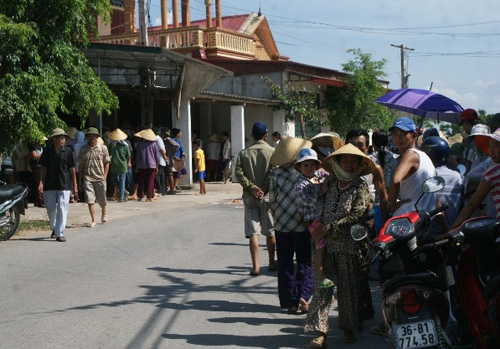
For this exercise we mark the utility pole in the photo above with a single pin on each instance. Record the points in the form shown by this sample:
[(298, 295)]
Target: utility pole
[(143, 30), (404, 76)]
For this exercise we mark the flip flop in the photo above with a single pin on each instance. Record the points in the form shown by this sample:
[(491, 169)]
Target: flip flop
[(254, 273), (318, 342), (326, 283)]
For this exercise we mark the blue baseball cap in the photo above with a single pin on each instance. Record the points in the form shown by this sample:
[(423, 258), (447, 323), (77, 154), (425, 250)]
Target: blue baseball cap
[(259, 129), (404, 124)]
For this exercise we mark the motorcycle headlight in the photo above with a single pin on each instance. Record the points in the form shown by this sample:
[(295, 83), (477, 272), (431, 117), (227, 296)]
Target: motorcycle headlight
[(399, 228)]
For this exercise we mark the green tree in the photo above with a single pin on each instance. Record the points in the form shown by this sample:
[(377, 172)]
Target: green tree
[(299, 104), (353, 106), (43, 73)]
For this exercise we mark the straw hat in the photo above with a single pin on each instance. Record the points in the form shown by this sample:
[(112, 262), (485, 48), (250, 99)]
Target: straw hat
[(457, 138), (287, 149), (117, 135), (148, 135), (321, 137), (350, 149), (58, 132), (482, 141), (72, 132)]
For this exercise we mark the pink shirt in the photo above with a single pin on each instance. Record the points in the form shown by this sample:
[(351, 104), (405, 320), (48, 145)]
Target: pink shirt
[(492, 175)]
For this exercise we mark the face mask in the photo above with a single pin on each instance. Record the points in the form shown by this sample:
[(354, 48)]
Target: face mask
[(325, 150)]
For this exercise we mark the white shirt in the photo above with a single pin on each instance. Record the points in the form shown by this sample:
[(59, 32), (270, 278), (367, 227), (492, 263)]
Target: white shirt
[(411, 187)]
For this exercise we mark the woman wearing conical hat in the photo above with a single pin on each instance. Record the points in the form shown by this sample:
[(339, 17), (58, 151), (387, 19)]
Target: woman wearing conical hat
[(347, 199)]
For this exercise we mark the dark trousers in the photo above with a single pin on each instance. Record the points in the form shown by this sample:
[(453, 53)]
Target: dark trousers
[(146, 183), (294, 283), (160, 184)]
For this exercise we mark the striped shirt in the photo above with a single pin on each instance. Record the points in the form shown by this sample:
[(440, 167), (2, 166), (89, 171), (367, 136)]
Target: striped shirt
[(492, 175), (309, 205)]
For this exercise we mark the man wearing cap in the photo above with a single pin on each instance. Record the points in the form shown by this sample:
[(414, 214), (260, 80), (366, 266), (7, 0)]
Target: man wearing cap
[(56, 172), (94, 166), (413, 170), (252, 172)]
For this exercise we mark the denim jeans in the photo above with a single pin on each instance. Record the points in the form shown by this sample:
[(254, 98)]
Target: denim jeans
[(119, 182)]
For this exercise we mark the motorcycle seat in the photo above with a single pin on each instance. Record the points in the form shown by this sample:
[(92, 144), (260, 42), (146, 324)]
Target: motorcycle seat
[(420, 279), (10, 191), (492, 286)]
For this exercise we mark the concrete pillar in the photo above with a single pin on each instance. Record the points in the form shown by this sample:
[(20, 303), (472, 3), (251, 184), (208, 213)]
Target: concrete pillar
[(184, 124), (237, 132), (208, 5), (175, 14), (186, 21), (218, 22), (164, 17), (129, 16)]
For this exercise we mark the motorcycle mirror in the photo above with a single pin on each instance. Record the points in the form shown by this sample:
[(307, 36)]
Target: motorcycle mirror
[(433, 184), (358, 232)]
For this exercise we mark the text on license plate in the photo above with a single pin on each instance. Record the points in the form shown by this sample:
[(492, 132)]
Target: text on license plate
[(416, 335)]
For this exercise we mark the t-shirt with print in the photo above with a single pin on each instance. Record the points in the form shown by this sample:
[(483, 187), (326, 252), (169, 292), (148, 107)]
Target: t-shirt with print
[(93, 160), (199, 154), (492, 175)]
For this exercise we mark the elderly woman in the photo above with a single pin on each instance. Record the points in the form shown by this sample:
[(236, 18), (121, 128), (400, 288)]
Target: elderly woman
[(347, 200)]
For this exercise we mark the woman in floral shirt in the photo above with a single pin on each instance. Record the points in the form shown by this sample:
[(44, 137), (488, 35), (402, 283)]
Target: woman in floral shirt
[(347, 200)]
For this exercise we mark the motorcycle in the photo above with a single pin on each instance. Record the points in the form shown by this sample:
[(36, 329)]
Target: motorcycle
[(415, 306), (477, 279), (13, 203)]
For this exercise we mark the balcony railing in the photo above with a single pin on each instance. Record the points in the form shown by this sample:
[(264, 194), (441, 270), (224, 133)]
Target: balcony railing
[(189, 38)]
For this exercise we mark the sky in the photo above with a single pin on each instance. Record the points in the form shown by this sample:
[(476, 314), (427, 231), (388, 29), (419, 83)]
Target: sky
[(455, 43)]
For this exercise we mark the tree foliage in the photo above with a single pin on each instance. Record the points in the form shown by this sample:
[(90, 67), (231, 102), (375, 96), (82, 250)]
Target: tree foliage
[(353, 106), (299, 104), (43, 73)]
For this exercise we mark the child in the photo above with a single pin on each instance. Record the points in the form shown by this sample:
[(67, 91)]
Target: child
[(199, 164), (310, 204)]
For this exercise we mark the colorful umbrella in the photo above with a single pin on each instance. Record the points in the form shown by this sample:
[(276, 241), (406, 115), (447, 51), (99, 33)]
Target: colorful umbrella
[(423, 103)]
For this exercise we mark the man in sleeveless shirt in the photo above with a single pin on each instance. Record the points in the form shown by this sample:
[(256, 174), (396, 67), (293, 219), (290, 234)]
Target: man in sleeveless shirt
[(413, 170)]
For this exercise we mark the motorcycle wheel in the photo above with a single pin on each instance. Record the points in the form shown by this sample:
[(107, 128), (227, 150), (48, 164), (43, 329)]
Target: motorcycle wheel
[(12, 222)]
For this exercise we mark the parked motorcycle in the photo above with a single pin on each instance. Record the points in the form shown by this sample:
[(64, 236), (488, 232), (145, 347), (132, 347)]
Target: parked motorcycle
[(415, 306), (477, 279), (13, 203)]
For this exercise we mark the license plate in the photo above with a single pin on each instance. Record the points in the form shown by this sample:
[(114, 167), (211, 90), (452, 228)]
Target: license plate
[(416, 335)]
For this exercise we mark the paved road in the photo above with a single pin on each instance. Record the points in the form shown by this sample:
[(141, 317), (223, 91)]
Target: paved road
[(169, 274)]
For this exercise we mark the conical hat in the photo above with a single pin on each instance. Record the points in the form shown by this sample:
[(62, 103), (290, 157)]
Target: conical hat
[(148, 135), (287, 149), (320, 137), (117, 135), (72, 132), (455, 139), (350, 149)]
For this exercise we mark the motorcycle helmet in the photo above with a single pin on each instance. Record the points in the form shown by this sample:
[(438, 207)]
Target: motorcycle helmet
[(437, 149)]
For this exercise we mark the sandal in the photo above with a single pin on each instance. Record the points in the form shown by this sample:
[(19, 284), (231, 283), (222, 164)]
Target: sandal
[(318, 342), (326, 283), (254, 273), (303, 306), (380, 330)]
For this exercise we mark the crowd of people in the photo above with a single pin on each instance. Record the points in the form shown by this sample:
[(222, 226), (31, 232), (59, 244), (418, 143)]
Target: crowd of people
[(121, 165), (304, 197)]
